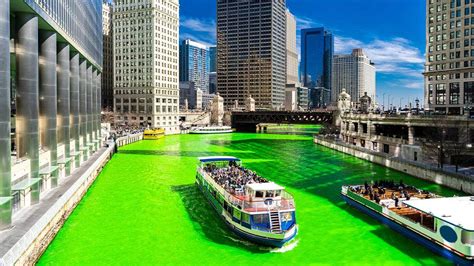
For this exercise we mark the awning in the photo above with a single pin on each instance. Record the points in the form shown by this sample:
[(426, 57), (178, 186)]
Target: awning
[(25, 184), (218, 159), (48, 170)]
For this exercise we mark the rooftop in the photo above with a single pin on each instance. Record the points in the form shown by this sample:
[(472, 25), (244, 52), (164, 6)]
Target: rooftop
[(458, 211), (218, 159), (265, 186)]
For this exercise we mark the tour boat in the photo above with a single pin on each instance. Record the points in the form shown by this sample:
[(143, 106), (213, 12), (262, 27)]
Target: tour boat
[(211, 130), (153, 134), (255, 209), (445, 225)]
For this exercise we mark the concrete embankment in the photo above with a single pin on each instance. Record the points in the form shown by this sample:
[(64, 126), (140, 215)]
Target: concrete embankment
[(35, 227), (452, 180)]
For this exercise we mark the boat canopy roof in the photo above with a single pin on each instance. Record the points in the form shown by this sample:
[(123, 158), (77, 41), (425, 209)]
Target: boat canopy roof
[(458, 211), (264, 186), (218, 159)]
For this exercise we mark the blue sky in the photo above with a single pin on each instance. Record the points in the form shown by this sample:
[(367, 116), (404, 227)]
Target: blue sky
[(392, 32)]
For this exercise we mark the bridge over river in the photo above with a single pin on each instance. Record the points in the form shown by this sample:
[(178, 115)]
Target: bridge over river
[(248, 121)]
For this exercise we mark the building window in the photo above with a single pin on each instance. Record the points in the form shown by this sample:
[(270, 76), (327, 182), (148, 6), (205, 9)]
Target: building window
[(469, 92), (374, 146), (441, 93), (454, 93), (430, 93), (386, 148)]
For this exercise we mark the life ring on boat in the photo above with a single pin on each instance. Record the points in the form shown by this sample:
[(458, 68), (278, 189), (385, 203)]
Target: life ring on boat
[(268, 202)]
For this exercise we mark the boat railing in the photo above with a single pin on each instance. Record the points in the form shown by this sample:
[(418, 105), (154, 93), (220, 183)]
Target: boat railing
[(285, 202), (269, 205)]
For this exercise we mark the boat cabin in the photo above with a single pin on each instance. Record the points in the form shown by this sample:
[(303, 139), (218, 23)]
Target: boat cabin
[(263, 191), (453, 219)]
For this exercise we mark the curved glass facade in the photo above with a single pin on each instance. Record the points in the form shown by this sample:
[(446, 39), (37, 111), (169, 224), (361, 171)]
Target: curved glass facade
[(79, 22)]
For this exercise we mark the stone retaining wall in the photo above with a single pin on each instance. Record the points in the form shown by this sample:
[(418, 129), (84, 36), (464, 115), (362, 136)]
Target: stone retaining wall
[(456, 181), (29, 248)]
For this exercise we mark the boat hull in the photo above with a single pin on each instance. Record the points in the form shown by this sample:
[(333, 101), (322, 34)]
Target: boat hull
[(211, 132), (448, 254), (266, 241)]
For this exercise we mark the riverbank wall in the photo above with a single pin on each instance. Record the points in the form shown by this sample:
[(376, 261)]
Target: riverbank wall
[(456, 181), (34, 229)]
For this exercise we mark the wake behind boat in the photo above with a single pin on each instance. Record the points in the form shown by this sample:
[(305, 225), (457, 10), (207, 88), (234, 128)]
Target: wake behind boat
[(211, 130), (444, 225), (252, 207)]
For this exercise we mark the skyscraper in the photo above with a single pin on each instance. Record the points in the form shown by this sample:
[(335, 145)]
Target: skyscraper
[(449, 69), (108, 62), (50, 67), (291, 50), (355, 73), (146, 51), (213, 59), (317, 49), (194, 64), (251, 44)]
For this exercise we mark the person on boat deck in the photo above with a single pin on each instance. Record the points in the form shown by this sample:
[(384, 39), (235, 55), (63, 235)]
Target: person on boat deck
[(377, 197), (234, 177)]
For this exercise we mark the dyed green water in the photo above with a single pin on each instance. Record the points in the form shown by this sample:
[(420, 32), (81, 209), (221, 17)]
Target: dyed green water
[(145, 209), (308, 130)]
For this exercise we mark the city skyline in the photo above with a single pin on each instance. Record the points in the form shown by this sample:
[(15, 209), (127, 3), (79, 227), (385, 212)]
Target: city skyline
[(396, 49)]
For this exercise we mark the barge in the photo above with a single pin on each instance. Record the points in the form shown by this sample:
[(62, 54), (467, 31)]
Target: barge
[(444, 225), (255, 209)]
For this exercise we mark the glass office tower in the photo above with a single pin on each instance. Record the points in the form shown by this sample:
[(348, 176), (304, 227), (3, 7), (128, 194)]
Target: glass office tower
[(194, 63), (317, 50)]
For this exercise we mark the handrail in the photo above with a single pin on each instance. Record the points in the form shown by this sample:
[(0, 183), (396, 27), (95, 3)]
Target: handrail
[(285, 203)]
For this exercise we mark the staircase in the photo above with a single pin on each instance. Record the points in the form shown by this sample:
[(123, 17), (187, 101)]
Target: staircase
[(275, 221)]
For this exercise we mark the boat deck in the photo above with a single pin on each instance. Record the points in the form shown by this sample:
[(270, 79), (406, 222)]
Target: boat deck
[(393, 199)]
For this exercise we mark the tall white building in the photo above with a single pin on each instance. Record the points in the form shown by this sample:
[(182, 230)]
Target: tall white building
[(146, 58), (291, 50), (355, 73), (449, 68)]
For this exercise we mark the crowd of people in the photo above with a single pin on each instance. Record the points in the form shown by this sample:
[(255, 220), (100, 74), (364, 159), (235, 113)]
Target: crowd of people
[(125, 130), (378, 191), (234, 177)]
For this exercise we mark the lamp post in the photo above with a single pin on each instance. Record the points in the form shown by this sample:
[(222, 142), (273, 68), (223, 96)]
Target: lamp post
[(383, 102)]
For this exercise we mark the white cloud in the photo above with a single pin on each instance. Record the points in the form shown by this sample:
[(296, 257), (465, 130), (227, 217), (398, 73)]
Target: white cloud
[(305, 22), (197, 29), (196, 38), (394, 56)]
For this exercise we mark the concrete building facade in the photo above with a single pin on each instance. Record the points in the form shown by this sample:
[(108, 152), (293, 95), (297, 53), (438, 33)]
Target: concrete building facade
[(50, 72), (190, 97), (291, 50), (146, 58), (108, 57), (449, 69), (355, 73), (251, 56)]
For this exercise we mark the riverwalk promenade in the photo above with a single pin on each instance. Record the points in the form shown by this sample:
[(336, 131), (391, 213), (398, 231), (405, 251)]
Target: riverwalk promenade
[(35, 227), (458, 181)]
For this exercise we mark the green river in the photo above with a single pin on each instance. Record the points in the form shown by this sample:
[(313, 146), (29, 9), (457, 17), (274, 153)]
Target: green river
[(144, 208)]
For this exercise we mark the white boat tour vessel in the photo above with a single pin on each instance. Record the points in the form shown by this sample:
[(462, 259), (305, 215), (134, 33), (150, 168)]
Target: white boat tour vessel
[(252, 207), (211, 130), (445, 225)]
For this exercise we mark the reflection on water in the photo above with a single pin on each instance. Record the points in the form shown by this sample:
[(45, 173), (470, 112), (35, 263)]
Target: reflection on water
[(145, 208), (287, 129)]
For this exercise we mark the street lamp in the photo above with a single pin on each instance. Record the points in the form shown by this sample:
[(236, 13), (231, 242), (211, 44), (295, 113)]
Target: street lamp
[(383, 104)]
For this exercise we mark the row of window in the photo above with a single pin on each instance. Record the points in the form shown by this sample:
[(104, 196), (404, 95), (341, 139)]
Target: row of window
[(438, 94)]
